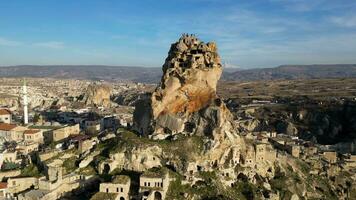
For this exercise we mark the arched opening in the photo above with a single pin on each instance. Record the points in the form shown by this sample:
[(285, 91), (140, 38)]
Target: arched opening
[(199, 168), (189, 127), (242, 177), (106, 169), (158, 196), (122, 198), (218, 102)]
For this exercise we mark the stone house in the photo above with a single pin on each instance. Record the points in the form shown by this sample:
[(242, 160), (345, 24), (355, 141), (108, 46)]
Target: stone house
[(190, 172), (33, 135), (250, 157), (310, 150), (49, 190), (54, 184), (19, 184), (350, 161), (5, 130), (109, 122), (260, 149), (271, 134), (12, 132), (92, 127), (4, 191), (330, 156), (228, 176), (294, 150), (26, 148), (154, 185), (17, 133), (5, 116), (119, 185), (286, 144), (265, 156), (61, 133)]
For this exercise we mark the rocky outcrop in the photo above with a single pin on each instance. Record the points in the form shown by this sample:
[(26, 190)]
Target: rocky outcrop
[(97, 95), (185, 100)]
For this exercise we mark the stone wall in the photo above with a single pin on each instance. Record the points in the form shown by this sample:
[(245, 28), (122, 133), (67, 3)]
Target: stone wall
[(16, 185), (12, 173)]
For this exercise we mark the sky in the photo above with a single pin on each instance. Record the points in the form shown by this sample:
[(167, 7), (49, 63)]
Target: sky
[(249, 33)]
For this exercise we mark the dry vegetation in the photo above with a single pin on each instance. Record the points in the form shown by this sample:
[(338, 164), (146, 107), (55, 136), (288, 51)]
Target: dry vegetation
[(313, 88)]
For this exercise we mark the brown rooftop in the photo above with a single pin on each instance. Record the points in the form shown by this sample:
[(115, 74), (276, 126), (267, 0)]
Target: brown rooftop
[(79, 137), (7, 127), (3, 185), (31, 131), (5, 112)]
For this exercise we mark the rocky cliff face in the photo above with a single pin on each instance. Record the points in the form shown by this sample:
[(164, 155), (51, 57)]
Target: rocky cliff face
[(97, 95), (185, 100), (201, 144)]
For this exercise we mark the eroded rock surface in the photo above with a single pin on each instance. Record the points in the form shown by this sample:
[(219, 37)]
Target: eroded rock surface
[(98, 95)]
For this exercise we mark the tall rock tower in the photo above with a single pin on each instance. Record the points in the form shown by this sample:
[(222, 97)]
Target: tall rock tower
[(185, 100)]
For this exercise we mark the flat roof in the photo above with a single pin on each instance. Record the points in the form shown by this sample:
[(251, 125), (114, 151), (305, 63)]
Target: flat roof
[(121, 179)]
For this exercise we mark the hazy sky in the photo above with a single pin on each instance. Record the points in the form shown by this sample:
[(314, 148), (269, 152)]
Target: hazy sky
[(259, 33)]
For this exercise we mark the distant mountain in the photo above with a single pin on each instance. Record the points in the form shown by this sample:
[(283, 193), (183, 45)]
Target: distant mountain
[(294, 72), (91, 72), (153, 74)]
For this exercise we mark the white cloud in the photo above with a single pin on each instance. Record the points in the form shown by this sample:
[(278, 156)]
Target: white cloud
[(327, 49), (348, 21), (300, 5), (118, 37), (6, 42), (50, 44), (315, 5)]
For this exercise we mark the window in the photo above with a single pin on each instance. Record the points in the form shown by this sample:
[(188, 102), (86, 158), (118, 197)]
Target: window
[(107, 190), (122, 190), (145, 184), (148, 184), (117, 189)]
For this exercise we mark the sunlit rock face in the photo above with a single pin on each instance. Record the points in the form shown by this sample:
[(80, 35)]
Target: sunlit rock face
[(185, 101), (98, 95)]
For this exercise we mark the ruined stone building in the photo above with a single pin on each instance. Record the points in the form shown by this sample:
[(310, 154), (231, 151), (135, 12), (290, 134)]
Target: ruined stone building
[(120, 186), (154, 185)]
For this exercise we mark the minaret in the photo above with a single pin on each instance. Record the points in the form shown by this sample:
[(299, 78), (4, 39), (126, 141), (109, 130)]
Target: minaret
[(25, 103)]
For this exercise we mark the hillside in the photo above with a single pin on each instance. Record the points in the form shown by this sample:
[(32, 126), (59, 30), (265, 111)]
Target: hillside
[(153, 74), (91, 72), (289, 72)]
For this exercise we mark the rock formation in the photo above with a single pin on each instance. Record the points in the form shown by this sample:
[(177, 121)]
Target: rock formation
[(97, 95), (185, 100)]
